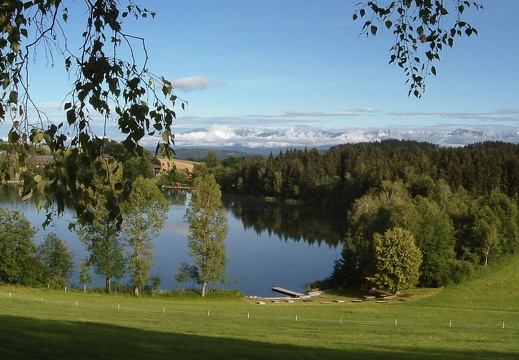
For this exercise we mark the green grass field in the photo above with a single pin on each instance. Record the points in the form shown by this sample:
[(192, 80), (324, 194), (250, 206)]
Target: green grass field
[(476, 320)]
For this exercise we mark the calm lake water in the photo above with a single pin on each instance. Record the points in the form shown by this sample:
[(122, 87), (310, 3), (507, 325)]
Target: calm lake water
[(268, 244)]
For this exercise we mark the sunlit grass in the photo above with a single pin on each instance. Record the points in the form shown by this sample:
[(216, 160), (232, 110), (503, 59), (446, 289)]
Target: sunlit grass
[(477, 320)]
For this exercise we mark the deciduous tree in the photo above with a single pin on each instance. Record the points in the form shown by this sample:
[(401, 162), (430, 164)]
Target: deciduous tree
[(17, 248), (208, 230), (187, 272), (100, 233), (57, 259), (435, 238), (108, 82), (398, 260), (145, 214)]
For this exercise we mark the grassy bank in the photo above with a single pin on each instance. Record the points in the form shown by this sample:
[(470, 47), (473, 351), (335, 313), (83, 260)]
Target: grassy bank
[(477, 320)]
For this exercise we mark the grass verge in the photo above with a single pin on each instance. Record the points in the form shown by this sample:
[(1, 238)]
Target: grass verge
[(477, 320)]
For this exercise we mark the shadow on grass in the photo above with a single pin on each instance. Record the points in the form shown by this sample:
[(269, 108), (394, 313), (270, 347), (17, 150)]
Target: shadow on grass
[(28, 338)]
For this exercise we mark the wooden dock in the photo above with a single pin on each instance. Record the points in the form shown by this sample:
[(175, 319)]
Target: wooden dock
[(177, 187), (288, 292)]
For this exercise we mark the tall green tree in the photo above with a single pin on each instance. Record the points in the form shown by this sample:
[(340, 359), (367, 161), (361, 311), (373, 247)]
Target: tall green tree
[(145, 214), (398, 260), (57, 259), (208, 229), (435, 239), (507, 212), (486, 239), (107, 255), (100, 233), (17, 248), (488, 228)]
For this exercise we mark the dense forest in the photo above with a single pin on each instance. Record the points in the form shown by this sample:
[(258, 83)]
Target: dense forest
[(335, 178), (460, 204)]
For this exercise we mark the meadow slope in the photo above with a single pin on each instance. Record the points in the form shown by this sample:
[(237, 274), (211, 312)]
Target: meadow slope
[(476, 320)]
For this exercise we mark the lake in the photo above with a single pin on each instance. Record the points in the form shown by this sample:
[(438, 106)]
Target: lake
[(269, 244)]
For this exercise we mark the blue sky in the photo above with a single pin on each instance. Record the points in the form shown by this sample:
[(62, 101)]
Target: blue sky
[(277, 65)]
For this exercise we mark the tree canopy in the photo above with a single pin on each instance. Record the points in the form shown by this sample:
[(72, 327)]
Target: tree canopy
[(208, 230), (398, 260), (105, 84), (100, 233), (16, 245), (23, 262), (57, 259), (421, 29), (145, 214)]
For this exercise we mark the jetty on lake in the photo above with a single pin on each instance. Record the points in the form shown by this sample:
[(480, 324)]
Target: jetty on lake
[(288, 292)]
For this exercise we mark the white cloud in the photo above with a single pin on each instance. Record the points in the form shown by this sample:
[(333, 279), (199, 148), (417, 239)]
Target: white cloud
[(224, 136), (195, 83)]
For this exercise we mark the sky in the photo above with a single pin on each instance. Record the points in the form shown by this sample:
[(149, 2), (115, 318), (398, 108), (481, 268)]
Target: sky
[(294, 66)]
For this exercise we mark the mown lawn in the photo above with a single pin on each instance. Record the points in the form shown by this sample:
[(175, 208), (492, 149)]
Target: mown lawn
[(477, 320)]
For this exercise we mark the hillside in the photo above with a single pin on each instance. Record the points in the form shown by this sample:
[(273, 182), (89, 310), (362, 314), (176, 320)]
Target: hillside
[(476, 320), (181, 165), (495, 288)]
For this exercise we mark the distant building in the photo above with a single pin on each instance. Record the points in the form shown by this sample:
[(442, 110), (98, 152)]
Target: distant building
[(166, 165), (157, 170)]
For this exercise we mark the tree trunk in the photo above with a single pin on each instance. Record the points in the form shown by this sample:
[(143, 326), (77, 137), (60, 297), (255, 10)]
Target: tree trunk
[(204, 285), (84, 288), (136, 291), (107, 286)]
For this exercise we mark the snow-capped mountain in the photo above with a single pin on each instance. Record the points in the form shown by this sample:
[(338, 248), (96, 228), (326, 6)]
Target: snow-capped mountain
[(219, 136)]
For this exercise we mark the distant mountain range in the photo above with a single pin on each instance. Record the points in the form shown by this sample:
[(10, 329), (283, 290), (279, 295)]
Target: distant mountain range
[(246, 142)]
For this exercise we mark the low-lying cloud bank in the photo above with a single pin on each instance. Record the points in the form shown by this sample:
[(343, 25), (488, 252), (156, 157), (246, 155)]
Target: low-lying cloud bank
[(221, 136)]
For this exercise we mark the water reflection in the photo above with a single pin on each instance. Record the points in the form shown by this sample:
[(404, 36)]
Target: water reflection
[(289, 222), (268, 244)]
